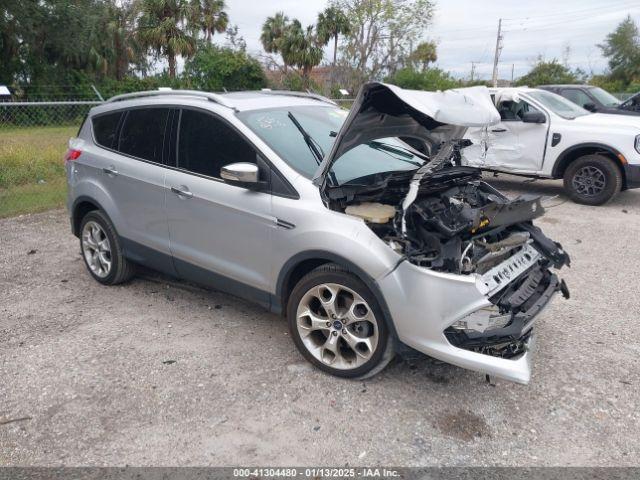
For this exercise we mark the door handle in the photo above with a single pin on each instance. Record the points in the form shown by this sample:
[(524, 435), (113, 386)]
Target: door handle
[(110, 170), (182, 191), (498, 130)]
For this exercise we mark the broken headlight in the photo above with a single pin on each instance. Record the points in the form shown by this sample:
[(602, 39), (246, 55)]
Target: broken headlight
[(486, 318)]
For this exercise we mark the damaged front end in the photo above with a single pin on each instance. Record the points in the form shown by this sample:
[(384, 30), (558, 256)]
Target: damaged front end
[(442, 217)]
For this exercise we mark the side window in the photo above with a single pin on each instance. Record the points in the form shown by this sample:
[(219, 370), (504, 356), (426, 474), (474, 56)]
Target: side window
[(513, 111), (206, 144), (105, 128), (576, 96), (142, 134)]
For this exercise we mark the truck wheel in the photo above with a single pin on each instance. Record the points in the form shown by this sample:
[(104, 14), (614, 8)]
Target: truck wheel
[(337, 324), (592, 180)]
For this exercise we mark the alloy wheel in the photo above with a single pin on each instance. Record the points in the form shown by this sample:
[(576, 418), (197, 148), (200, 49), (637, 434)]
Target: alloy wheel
[(589, 181), (337, 326), (96, 249)]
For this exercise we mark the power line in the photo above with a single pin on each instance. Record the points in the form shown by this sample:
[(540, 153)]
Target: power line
[(572, 12)]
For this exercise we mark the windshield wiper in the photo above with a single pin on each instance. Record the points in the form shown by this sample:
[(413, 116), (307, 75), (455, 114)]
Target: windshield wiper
[(398, 150), (311, 143)]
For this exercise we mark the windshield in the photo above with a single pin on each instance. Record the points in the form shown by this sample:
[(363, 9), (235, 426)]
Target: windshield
[(604, 97), (277, 129), (557, 104)]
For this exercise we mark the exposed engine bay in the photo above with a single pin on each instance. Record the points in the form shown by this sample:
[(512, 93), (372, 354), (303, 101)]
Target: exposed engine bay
[(445, 218), (442, 216)]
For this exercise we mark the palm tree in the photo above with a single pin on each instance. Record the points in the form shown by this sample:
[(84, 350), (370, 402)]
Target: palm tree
[(424, 54), (332, 23), (302, 48), (273, 33), (161, 28), (121, 38), (209, 16)]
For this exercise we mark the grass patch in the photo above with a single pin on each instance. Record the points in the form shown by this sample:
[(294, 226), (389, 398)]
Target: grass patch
[(33, 197), (31, 154), (32, 177)]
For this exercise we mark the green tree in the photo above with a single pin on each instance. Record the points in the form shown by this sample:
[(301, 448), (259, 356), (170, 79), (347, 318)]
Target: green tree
[(273, 32), (162, 29), (544, 72), (430, 79), (332, 23), (209, 16), (120, 45), (622, 48), (424, 54), (301, 47), (215, 68), (381, 34)]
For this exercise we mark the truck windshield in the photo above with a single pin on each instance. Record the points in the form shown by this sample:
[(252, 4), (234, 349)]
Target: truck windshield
[(604, 97), (276, 128), (558, 105)]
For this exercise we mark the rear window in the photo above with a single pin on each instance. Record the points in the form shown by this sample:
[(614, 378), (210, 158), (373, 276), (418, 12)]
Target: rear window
[(105, 128), (142, 133)]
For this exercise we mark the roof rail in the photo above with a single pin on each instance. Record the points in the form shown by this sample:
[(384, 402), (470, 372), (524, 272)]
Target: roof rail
[(212, 97), (291, 93)]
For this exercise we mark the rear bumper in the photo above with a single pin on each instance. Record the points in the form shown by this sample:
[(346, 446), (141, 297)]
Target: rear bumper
[(632, 176)]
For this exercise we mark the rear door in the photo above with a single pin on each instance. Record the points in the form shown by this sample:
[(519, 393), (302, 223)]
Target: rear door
[(220, 234), (133, 174)]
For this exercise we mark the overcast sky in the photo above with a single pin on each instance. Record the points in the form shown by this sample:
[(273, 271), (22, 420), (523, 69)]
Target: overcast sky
[(465, 30)]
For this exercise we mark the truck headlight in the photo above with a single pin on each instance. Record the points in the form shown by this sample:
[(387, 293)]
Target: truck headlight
[(637, 143), (487, 318)]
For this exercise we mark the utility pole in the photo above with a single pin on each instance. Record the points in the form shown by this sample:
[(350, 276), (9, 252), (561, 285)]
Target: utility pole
[(473, 69), (497, 55), (513, 65)]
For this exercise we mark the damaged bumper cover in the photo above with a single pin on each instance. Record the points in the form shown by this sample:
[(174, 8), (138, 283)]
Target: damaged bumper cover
[(442, 329)]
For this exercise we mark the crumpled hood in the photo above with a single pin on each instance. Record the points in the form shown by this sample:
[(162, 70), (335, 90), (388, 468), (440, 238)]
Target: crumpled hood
[(384, 111)]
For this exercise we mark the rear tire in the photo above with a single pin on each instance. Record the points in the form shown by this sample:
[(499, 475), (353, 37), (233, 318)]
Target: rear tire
[(592, 180), (102, 251), (338, 325)]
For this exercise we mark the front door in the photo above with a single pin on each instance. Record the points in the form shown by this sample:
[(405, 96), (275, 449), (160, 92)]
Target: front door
[(512, 145), (220, 234)]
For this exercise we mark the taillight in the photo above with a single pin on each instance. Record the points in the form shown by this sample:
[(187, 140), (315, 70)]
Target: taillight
[(72, 154)]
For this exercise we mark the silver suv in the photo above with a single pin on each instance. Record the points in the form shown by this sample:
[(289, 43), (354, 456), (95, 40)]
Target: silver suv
[(361, 227)]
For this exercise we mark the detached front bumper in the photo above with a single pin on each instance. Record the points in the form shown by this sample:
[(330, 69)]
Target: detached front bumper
[(425, 304)]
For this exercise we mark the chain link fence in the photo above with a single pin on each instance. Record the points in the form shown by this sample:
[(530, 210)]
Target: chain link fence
[(40, 114)]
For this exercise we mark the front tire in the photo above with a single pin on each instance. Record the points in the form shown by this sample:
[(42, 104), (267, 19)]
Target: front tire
[(592, 180), (101, 250), (338, 325)]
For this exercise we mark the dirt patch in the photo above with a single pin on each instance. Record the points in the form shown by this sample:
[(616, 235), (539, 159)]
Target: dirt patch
[(463, 425)]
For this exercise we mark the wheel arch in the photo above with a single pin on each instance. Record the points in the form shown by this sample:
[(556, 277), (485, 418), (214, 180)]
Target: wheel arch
[(576, 151), (302, 263), (81, 206)]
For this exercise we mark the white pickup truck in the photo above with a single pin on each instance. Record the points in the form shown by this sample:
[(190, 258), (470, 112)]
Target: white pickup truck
[(546, 136)]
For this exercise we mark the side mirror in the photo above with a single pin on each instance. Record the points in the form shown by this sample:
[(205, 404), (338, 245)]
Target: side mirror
[(243, 174), (534, 117), (590, 106)]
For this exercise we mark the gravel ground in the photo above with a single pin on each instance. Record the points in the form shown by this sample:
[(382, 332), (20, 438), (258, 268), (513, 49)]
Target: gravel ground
[(157, 372)]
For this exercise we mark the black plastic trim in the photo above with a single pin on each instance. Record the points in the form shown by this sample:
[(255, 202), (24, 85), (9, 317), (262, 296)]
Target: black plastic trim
[(74, 207), (632, 176), (561, 158)]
